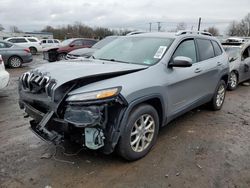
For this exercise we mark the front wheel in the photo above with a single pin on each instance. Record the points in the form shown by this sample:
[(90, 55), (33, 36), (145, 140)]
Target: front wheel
[(219, 96), (140, 134), (233, 81)]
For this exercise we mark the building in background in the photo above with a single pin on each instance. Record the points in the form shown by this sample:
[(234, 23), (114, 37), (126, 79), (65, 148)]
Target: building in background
[(39, 35)]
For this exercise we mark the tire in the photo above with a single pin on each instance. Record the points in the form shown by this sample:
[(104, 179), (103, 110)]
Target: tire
[(33, 50), (233, 81), (61, 56), (15, 62), (219, 96), (128, 147)]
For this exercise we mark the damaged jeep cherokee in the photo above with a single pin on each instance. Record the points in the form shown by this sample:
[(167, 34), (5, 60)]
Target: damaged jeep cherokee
[(121, 96)]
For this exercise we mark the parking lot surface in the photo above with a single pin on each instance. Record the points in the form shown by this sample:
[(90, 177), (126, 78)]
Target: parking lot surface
[(199, 149)]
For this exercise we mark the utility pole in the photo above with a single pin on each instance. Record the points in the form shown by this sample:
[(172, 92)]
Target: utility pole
[(199, 24), (150, 27), (159, 26)]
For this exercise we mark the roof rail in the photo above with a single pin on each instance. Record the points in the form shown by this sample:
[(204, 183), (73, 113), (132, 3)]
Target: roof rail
[(182, 32)]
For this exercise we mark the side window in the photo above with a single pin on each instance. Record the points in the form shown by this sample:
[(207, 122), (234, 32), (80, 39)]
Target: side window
[(246, 53), (217, 48), (2, 45), (20, 40), (50, 41), (56, 41), (89, 42), (32, 40), (206, 50), (12, 40), (44, 41), (77, 43), (186, 49)]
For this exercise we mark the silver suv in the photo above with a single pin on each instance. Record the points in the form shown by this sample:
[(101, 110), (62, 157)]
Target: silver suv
[(119, 98)]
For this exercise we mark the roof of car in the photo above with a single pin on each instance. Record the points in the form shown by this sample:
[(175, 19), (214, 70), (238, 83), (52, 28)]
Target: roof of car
[(170, 35)]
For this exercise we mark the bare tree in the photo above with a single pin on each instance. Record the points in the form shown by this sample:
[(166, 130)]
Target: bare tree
[(213, 30), (241, 28), (1, 27), (181, 26), (14, 29)]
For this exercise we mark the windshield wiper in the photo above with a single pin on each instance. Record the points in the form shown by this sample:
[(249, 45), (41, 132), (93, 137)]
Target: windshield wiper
[(114, 60)]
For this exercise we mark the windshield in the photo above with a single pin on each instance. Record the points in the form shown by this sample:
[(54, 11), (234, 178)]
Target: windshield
[(67, 42), (104, 42), (232, 51), (136, 50)]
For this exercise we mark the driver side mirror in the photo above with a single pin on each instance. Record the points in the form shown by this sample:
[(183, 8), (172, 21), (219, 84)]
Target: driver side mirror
[(181, 61)]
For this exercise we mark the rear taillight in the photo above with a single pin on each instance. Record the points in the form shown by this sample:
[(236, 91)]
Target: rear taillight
[(27, 50), (1, 60)]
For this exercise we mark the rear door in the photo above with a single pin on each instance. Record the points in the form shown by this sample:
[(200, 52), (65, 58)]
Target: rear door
[(211, 62)]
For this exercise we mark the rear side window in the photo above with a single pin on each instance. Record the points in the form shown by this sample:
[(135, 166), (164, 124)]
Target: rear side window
[(217, 48), (56, 41), (186, 49), (89, 42), (32, 40), (206, 50)]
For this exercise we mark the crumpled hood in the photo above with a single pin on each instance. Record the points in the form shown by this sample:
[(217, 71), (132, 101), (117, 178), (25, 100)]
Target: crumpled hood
[(66, 71)]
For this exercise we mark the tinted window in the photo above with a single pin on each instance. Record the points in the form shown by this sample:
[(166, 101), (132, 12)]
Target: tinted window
[(2, 45), (12, 40), (246, 53), (89, 42), (18, 40), (44, 41), (50, 41), (206, 50), (217, 49), (56, 41), (32, 40), (186, 49), (77, 43)]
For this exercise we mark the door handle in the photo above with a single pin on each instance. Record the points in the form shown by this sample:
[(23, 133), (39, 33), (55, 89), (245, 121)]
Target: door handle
[(219, 64), (197, 70)]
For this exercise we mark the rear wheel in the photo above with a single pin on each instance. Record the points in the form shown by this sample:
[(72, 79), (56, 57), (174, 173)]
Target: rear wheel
[(15, 62), (140, 134), (219, 96), (233, 81), (33, 50)]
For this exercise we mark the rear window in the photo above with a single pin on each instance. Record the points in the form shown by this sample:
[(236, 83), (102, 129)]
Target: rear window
[(217, 48), (206, 50)]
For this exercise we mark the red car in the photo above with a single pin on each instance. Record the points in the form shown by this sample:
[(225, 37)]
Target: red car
[(59, 53)]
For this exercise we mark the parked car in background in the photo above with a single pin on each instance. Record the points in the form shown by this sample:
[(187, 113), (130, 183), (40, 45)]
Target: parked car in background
[(239, 58), (4, 75), (48, 43), (13, 55), (87, 52), (28, 42), (130, 88), (59, 53)]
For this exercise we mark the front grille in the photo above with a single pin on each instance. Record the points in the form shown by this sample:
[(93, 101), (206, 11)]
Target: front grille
[(36, 82)]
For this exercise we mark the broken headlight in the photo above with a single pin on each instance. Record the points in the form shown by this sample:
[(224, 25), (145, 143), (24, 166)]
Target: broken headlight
[(84, 115), (95, 95)]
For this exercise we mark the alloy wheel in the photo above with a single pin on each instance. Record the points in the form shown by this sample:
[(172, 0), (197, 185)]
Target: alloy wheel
[(220, 95), (142, 133)]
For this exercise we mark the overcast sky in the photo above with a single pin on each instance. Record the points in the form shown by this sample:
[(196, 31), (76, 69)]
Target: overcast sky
[(30, 15)]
